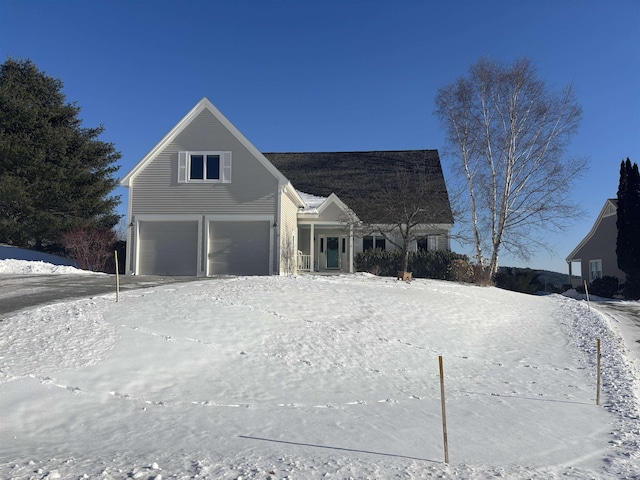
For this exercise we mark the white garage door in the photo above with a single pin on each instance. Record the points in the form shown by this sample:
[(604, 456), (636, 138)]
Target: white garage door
[(239, 248), (168, 248)]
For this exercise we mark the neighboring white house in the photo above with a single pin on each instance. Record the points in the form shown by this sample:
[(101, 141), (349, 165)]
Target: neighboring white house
[(596, 253), (204, 201)]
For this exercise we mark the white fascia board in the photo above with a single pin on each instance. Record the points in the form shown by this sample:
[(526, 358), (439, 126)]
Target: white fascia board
[(293, 194), (433, 226), (320, 223), (203, 104)]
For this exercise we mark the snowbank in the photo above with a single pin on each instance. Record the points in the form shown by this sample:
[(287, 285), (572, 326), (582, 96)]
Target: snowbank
[(15, 253), (39, 267), (21, 261)]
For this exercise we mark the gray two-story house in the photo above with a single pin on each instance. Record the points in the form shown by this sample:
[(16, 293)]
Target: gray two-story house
[(205, 201), (596, 253)]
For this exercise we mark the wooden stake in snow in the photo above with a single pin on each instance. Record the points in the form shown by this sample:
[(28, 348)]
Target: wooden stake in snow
[(117, 278), (586, 290), (598, 376), (444, 413)]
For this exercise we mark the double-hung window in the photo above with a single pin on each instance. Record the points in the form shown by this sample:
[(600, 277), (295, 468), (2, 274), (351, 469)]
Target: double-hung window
[(373, 241), (595, 269), (428, 243), (212, 167)]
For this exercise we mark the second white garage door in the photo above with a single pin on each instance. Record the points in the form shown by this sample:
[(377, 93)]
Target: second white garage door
[(239, 248)]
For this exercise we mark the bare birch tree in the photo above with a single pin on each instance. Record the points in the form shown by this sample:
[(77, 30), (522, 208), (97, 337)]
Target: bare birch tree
[(508, 132)]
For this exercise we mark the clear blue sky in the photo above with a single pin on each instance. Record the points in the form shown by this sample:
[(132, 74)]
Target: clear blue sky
[(328, 75)]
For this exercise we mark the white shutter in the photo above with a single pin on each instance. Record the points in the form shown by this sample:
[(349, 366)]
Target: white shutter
[(226, 167), (182, 167)]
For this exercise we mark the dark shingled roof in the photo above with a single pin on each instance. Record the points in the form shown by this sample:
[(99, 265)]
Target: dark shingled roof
[(354, 176)]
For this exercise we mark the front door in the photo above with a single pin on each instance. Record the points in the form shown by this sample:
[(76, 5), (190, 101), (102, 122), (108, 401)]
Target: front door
[(333, 252)]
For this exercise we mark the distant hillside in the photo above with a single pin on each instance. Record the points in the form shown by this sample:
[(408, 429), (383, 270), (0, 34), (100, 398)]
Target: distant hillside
[(554, 278), (529, 280)]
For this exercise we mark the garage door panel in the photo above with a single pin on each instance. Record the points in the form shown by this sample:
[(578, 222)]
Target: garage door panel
[(168, 248), (239, 248)]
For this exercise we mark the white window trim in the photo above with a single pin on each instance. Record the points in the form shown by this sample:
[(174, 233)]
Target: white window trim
[(375, 237), (184, 167)]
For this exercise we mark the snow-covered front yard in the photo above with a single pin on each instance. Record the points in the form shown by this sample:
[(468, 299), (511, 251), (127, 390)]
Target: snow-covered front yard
[(315, 377)]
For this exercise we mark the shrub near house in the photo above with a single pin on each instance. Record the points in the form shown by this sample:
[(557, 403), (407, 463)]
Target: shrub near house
[(438, 265)]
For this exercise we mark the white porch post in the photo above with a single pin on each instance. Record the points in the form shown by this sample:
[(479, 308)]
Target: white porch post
[(351, 256), (311, 247)]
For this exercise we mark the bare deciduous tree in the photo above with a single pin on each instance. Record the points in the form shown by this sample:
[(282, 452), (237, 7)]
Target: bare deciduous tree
[(508, 132), (412, 199), (289, 256), (91, 247)]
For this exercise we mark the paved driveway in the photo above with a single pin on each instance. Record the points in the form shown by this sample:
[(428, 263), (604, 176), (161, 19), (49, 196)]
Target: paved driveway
[(19, 292), (626, 316)]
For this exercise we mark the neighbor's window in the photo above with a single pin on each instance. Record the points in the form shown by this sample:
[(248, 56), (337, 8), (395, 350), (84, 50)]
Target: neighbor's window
[(595, 269)]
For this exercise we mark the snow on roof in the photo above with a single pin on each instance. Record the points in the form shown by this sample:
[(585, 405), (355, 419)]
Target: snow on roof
[(312, 201)]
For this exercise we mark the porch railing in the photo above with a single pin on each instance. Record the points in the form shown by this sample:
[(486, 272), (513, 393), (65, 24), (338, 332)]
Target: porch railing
[(304, 262)]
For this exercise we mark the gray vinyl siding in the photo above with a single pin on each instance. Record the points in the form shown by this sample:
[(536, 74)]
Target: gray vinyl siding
[(332, 213), (252, 190), (239, 248), (168, 248), (602, 246)]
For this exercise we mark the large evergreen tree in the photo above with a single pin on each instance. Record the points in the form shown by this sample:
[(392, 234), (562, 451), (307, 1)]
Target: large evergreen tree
[(628, 224), (55, 175)]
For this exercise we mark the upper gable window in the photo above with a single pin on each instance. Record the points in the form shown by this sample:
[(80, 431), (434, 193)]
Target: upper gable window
[(211, 167), (204, 167)]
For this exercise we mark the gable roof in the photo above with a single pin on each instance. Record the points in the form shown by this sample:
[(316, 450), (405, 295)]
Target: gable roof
[(357, 176), (610, 208), (204, 104), (315, 205)]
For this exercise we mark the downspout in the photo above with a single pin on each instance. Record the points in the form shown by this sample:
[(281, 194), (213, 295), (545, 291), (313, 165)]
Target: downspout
[(132, 236)]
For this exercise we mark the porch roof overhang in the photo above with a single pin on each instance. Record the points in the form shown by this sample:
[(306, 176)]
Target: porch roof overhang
[(315, 207), (321, 223)]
